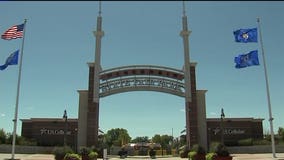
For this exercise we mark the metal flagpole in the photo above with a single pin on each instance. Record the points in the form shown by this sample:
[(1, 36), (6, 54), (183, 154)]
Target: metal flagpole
[(18, 92), (268, 95)]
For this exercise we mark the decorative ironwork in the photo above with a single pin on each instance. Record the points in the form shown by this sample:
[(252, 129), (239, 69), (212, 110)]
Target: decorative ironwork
[(142, 78)]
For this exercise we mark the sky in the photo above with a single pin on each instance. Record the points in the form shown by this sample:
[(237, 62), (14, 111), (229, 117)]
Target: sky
[(59, 42)]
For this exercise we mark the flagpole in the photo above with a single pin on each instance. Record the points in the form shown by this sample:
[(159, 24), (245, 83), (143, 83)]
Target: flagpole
[(268, 94), (18, 93)]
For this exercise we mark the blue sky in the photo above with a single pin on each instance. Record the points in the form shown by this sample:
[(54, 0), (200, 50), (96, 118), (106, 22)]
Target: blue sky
[(59, 42)]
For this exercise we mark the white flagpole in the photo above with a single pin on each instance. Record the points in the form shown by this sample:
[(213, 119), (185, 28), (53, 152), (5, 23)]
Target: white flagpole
[(18, 93), (268, 95)]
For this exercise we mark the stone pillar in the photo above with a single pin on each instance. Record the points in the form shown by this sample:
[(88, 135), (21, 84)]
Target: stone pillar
[(82, 118), (202, 123)]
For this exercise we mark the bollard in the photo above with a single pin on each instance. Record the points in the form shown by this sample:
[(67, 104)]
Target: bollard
[(105, 154)]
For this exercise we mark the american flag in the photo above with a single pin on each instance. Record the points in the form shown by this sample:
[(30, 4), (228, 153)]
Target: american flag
[(14, 32)]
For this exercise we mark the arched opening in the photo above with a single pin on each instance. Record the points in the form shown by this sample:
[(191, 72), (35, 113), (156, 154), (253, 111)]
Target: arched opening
[(143, 113)]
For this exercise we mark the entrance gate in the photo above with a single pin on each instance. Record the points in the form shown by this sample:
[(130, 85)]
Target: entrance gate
[(142, 78)]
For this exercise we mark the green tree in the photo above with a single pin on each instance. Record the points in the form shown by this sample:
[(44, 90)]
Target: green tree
[(281, 133), (144, 139), (3, 136), (117, 137), (156, 138), (9, 139), (163, 140)]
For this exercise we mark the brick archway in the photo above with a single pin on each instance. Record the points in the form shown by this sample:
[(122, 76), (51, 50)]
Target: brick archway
[(141, 78), (161, 79)]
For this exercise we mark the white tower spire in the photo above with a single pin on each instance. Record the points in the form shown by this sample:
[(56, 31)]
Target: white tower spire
[(100, 8), (185, 34), (183, 8), (188, 98), (99, 33)]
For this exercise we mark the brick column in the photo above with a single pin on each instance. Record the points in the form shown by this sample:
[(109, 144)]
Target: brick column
[(92, 113), (191, 113)]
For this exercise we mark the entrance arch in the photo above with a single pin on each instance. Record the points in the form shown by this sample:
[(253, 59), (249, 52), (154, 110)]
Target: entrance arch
[(142, 77)]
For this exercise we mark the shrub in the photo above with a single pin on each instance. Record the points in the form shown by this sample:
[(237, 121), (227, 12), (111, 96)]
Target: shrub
[(210, 156), (84, 151), (60, 152), (213, 146), (261, 142), (191, 155), (183, 153), (93, 155), (197, 153), (245, 142), (72, 156), (222, 151), (198, 149)]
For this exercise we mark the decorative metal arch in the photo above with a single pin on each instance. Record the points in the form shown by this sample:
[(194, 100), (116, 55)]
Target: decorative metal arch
[(141, 78)]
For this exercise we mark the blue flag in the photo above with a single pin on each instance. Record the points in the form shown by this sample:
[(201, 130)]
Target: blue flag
[(11, 60), (246, 35), (246, 60)]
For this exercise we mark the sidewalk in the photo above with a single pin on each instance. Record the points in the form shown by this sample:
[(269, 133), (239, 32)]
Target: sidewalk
[(280, 156), (264, 156), (4, 156)]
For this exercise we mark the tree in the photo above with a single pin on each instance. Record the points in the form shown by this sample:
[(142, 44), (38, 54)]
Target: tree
[(117, 137), (163, 140), (3, 136), (9, 139), (144, 139), (156, 138), (281, 133)]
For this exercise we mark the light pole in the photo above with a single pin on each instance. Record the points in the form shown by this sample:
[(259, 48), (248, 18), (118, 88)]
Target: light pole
[(75, 139), (222, 127), (65, 122), (209, 138)]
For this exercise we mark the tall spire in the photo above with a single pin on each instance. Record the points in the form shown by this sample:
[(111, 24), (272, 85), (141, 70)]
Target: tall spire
[(100, 8), (184, 17), (187, 82), (183, 8), (99, 33), (185, 34)]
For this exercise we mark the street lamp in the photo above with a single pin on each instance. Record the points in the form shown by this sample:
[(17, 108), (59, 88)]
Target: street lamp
[(65, 122), (222, 127), (75, 139), (209, 138)]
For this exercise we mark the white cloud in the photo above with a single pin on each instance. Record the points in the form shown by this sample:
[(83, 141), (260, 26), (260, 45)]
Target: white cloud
[(2, 115), (182, 110)]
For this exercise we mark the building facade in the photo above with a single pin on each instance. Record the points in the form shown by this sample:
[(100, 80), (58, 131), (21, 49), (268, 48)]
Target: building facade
[(234, 129), (50, 131)]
